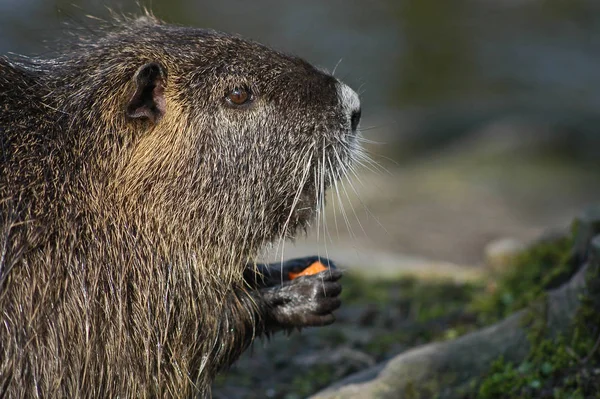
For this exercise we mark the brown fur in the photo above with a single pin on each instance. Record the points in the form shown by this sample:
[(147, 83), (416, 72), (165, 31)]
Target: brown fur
[(123, 242)]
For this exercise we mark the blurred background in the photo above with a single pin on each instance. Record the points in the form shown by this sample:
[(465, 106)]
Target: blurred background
[(483, 115)]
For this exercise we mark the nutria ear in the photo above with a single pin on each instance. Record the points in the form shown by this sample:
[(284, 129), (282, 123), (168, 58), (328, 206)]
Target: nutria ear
[(149, 98)]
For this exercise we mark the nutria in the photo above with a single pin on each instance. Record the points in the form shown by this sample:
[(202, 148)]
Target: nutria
[(143, 170)]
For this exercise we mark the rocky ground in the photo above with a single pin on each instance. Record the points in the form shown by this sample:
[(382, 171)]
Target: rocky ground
[(416, 261), (378, 319), (383, 318)]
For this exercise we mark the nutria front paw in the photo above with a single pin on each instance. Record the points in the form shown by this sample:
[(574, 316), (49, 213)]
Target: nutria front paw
[(305, 301)]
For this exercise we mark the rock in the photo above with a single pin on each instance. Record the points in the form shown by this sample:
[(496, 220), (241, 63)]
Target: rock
[(355, 335), (586, 226), (441, 369), (345, 359), (595, 252), (594, 272), (359, 314), (369, 315)]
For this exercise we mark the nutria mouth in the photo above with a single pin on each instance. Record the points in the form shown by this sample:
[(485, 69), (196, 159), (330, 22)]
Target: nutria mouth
[(312, 197)]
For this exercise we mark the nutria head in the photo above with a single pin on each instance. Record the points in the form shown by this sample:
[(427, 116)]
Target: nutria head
[(216, 139)]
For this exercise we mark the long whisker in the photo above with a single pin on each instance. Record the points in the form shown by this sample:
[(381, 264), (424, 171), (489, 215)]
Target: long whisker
[(333, 183), (343, 211), (360, 88), (335, 67), (363, 157), (367, 128), (352, 170), (346, 191), (364, 160), (371, 156), (327, 173), (369, 141), (317, 205), (294, 204)]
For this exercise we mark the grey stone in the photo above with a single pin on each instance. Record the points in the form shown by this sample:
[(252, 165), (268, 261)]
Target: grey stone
[(586, 226)]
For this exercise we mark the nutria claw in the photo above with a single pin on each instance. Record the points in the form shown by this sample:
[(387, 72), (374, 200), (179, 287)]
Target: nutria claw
[(305, 301)]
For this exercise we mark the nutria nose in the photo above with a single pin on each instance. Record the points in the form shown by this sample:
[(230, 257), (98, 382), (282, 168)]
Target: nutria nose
[(350, 104), (355, 119)]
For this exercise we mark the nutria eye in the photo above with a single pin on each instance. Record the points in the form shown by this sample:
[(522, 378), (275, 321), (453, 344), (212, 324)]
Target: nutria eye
[(239, 96)]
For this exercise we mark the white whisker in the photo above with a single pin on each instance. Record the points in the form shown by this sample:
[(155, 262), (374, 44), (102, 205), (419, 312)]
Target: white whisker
[(335, 67), (333, 183), (367, 210), (346, 191), (294, 203)]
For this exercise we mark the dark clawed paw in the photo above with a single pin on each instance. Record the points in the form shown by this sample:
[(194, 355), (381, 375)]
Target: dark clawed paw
[(309, 300)]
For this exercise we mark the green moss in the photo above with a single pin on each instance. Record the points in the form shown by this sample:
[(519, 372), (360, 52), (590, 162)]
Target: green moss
[(530, 379), (423, 311), (314, 379), (356, 291), (554, 369), (562, 367), (433, 301), (425, 293), (541, 267)]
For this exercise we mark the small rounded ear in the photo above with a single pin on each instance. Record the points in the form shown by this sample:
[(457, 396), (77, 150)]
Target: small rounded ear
[(149, 98)]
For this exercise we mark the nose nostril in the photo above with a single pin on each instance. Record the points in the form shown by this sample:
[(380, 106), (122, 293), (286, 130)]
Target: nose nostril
[(355, 119)]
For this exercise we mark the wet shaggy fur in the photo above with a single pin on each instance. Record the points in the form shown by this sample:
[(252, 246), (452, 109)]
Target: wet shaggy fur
[(124, 237)]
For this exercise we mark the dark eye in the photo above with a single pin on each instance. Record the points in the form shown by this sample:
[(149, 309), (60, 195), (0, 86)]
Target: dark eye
[(239, 96)]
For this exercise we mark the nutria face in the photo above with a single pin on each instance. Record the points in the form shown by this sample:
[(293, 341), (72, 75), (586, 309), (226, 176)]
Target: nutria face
[(236, 130), (280, 129)]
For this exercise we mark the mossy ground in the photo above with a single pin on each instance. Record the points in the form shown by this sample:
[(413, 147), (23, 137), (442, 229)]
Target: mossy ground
[(382, 318), (378, 319), (544, 266), (567, 366)]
